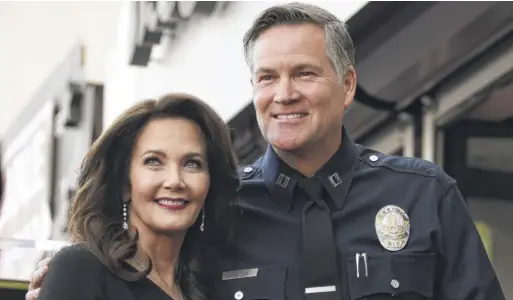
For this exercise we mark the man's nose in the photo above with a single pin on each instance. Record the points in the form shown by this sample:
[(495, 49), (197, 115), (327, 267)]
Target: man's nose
[(286, 92)]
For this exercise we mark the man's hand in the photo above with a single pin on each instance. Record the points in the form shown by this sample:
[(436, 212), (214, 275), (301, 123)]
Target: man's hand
[(37, 279)]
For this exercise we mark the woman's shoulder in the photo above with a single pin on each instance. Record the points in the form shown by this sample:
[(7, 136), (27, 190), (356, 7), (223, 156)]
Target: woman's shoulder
[(73, 273), (78, 256)]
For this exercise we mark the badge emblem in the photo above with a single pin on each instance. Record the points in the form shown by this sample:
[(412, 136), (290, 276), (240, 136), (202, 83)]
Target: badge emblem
[(392, 227)]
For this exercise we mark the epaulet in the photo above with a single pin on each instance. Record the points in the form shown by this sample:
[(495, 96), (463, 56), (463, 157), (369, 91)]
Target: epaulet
[(248, 171), (405, 165), (372, 157)]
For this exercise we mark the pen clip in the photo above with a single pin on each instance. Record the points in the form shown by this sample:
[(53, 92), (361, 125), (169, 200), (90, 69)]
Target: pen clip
[(357, 258), (365, 263)]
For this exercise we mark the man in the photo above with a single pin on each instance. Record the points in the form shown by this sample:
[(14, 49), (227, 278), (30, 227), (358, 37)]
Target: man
[(324, 218)]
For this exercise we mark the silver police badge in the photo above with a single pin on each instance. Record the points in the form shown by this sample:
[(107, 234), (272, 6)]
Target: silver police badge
[(392, 227)]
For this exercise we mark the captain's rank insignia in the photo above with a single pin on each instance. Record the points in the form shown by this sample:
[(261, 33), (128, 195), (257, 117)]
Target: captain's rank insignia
[(392, 227)]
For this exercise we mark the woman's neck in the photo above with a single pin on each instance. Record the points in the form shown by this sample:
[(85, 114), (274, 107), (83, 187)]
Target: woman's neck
[(163, 251)]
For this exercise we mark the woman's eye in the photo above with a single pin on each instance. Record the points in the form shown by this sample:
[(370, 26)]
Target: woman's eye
[(193, 164), (152, 161)]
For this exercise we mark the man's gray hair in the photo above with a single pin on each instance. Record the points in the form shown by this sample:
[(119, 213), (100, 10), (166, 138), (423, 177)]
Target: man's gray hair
[(339, 45)]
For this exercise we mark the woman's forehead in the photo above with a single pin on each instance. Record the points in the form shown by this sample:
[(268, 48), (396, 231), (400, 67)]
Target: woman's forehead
[(171, 134)]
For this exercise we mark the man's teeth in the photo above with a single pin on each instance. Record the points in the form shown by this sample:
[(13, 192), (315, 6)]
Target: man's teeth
[(291, 116), (171, 202)]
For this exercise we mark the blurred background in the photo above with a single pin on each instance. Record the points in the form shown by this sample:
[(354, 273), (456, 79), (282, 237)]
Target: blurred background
[(435, 82)]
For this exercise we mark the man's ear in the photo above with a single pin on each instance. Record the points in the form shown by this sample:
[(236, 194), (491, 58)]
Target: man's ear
[(349, 83)]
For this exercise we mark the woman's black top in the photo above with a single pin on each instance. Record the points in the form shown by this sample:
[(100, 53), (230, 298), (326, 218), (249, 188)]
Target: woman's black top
[(75, 273)]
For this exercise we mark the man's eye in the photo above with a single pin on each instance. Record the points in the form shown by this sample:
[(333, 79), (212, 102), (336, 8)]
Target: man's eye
[(305, 74)]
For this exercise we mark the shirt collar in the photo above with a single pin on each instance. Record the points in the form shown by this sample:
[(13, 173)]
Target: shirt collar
[(336, 175)]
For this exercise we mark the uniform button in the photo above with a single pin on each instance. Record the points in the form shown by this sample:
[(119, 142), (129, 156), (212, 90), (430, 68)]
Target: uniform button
[(238, 295), (248, 170), (394, 283), (373, 158)]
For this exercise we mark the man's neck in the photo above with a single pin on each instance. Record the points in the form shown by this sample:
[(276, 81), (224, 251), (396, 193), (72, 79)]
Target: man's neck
[(312, 158)]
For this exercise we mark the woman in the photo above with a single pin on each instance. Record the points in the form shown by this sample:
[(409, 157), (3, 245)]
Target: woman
[(155, 200)]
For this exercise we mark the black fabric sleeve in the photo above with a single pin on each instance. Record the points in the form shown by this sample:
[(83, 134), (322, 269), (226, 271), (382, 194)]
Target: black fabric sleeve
[(465, 271), (73, 274)]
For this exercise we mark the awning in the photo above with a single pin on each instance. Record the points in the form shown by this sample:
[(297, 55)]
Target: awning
[(405, 50)]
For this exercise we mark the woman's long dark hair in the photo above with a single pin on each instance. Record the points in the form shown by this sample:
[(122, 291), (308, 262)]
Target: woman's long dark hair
[(96, 212)]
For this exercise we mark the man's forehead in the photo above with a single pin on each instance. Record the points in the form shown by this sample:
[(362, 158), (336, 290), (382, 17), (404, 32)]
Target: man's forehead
[(286, 37), (288, 62), (289, 44)]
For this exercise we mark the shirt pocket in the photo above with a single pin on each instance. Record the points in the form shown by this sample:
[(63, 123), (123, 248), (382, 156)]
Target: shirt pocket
[(267, 284), (392, 276)]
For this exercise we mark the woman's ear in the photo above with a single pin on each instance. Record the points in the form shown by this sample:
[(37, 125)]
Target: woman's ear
[(127, 193)]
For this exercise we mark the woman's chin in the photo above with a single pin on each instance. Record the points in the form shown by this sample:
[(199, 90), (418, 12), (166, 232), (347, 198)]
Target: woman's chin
[(172, 229)]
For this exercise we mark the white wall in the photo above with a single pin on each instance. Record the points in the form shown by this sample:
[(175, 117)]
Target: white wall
[(36, 36), (208, 63)]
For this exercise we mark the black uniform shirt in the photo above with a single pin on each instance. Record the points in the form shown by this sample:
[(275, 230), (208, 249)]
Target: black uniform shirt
[(443, 257)]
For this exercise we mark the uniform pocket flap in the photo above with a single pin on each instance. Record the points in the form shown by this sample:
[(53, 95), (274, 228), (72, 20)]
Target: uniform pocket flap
[(254, 283), (392, 274)]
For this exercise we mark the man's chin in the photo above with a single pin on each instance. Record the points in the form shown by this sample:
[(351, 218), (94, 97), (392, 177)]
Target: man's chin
[(286, 145)]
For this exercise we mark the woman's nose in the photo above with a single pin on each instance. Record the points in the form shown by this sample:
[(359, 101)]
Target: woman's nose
[(173, 179)]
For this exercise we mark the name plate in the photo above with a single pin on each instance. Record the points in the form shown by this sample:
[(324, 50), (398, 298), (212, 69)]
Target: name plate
[(238, 274)]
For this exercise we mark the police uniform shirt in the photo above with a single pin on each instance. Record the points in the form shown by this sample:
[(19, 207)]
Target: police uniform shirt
[(402, 232)]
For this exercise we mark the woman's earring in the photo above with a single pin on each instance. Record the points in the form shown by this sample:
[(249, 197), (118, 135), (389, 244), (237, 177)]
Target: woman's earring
[(202, 226), (125, 216)]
